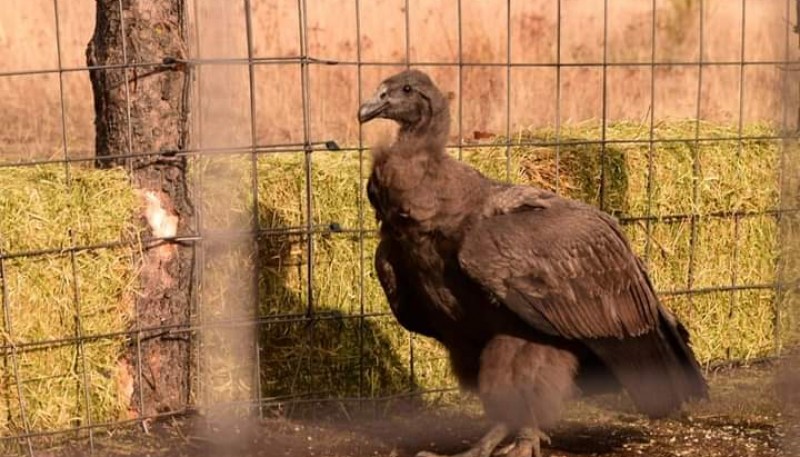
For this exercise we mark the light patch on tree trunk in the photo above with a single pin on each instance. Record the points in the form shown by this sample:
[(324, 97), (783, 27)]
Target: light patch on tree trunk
[(163, 222), (124, 377)]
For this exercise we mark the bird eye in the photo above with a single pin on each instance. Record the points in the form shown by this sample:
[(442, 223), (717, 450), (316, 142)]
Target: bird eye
[(406, 88)]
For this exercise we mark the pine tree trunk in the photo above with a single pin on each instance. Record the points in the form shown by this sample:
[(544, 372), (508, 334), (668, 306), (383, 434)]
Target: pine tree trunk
[(141, 120)]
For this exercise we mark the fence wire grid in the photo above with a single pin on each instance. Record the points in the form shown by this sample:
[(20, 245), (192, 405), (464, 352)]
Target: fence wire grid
[(20, 434)]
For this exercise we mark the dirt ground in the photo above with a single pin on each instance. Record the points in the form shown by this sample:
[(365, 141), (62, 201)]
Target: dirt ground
[(743, 418)]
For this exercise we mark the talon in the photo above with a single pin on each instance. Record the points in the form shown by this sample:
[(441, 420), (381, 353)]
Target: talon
[(543, 437), (483, 448), (523, 448), (505, 450)]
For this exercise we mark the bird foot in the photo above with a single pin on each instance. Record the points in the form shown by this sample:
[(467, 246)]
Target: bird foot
[(527, 444)]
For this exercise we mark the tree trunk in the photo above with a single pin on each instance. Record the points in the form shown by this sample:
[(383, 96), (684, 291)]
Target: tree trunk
[(141, 120)]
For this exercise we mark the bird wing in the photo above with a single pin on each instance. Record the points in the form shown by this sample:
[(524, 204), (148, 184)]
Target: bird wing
[(564, 268), (567, 270), (401, 290)]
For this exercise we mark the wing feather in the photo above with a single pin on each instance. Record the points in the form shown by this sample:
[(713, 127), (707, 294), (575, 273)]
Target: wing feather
[(401, 291), (566, 268)]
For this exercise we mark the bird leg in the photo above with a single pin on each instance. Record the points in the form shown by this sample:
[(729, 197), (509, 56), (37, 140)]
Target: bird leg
[(484, 446), (528, 443)]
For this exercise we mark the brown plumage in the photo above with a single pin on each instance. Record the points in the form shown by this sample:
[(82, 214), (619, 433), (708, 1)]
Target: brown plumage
[(535, 296)]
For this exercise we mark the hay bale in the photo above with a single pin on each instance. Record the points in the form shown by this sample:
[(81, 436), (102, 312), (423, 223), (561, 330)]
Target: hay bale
[(38, 207), (731, 176)]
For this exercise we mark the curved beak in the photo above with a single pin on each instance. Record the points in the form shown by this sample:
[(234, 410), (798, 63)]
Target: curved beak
[(371, 109)]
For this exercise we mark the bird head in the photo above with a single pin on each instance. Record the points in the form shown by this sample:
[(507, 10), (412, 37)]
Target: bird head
[(411, 99)]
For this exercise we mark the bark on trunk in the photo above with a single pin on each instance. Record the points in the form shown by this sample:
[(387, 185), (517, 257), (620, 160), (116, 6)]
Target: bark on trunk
[(141, 112)]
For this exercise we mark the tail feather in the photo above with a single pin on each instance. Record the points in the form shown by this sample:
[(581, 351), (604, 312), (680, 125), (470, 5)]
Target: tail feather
[(658, 369)]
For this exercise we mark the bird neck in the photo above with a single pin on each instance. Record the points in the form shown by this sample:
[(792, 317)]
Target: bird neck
[(431, 130)]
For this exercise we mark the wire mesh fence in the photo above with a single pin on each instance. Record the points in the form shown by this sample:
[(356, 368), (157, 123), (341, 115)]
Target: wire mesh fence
[(676, 126)]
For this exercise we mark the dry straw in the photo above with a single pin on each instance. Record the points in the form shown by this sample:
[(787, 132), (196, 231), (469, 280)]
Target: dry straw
[(371, 356), (38, 207)]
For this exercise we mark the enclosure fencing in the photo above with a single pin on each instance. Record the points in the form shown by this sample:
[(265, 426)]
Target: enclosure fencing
[(712, 240)]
